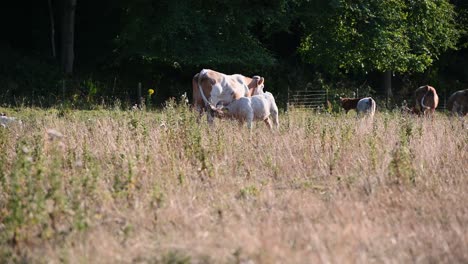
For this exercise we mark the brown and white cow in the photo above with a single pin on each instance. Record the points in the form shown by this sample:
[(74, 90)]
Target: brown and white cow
[(349, 103), (212, 89), (426, 100), (458, 103)]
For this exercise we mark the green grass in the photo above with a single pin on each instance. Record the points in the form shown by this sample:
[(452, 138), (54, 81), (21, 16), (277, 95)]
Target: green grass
[(158, 187)]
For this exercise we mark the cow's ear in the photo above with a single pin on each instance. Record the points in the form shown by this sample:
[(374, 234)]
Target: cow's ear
[(260, 81)]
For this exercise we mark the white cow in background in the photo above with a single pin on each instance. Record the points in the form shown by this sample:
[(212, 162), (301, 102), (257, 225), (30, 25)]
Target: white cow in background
[(6, 120), (366, 106)]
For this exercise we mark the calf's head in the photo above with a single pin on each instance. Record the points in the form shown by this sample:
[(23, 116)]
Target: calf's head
[(256, 86)]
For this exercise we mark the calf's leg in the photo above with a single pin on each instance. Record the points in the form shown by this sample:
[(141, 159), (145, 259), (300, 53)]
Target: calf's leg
[(268, 122)]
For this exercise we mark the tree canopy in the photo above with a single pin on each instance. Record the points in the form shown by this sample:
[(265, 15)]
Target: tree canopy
[(210, 33), (395, 35)]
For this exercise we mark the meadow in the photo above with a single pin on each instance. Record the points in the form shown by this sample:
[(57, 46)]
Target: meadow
[(113, 186)]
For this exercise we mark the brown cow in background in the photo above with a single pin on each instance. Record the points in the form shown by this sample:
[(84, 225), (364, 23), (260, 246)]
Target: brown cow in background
[(426, 100), (349, 103), (458, 103)]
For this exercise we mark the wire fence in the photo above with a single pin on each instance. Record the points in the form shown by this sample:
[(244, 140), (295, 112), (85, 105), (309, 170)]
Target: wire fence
[(307, 99)]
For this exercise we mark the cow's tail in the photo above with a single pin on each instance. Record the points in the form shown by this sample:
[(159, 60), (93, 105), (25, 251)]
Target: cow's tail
[(429, 91), (200, 77), (371, 104)]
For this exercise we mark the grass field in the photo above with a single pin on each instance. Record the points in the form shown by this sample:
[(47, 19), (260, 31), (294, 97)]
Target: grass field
[(111, 186)]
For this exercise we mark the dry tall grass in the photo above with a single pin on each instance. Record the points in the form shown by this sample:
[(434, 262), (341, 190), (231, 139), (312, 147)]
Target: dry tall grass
[(148, 187)]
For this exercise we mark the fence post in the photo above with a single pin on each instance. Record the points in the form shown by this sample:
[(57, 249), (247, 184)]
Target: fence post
[(445, 100), (139, 95), (63, 90), (113, 87)]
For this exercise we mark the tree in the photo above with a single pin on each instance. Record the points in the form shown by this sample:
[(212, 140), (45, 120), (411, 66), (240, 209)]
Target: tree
[(68, 36), (52, 28), (201, 33), (393, 35)]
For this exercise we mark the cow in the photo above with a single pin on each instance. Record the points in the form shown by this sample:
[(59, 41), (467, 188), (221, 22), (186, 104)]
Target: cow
[(458, 103), (212, 89), (349, 103), (366, 106), (426, 100), (259, 107), (6, 120)]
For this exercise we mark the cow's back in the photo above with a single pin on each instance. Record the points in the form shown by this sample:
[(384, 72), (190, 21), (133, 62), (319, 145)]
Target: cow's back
[(458, 102), (234, 86), (349, 103), (222, 87)]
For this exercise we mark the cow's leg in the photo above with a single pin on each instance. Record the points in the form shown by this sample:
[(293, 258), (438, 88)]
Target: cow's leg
[(249, 118), (268, 122), (454, 110), (458, 109), (200, 110), (358, 113), (274, 117), (428, 113), (275, 120), (210, 115)]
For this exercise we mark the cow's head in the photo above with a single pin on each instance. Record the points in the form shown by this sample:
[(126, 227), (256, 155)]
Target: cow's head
[(258, 85), (343, 100)]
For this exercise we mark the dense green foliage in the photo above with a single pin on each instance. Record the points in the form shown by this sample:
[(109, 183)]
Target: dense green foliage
[(395, 35), (337, 44), (195, 33)]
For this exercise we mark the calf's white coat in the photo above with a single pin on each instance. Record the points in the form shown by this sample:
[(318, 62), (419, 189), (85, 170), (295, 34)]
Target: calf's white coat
[(258, 107)]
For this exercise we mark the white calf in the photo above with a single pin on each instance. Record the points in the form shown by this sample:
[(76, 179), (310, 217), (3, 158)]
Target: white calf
[(366, 106), (258, 107), (6, 120)]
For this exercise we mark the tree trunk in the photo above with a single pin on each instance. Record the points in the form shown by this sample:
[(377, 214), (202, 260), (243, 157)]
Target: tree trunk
[(52, 28), (68, 35), (388, 87)]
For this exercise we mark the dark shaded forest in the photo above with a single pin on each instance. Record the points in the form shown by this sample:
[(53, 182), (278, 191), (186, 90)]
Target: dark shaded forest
[(96, 52)]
